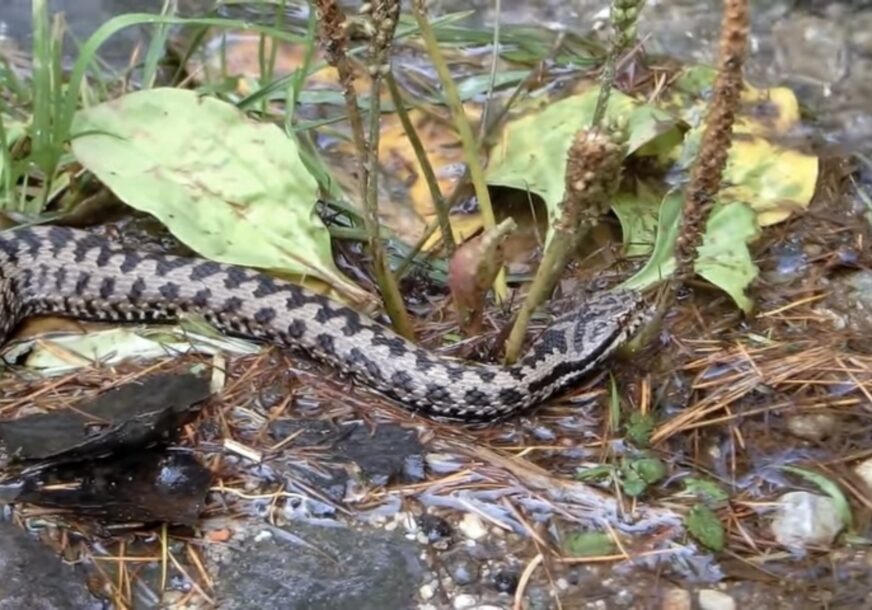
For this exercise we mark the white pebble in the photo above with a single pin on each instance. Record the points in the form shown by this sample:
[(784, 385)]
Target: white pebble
[(463, 601), (472, 527), (676, 599), (426, 592), (806, 519), (864, 471), (409, 522), (710, 599)]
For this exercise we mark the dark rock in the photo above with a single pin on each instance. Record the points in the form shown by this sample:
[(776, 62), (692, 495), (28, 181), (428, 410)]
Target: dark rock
[(150, 486), (32, 576), (434, 528), (506, 581), (321, 568), (385, 454), (130, 416)]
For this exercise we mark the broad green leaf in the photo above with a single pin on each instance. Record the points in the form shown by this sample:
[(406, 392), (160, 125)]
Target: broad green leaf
[(531, 152), (772, 179), (232, 189), (775, 181), (707, 491), (661, 263), (650, 469), (640, 427), (723, 258), (704, 525), (632, 483), (589, 544), (637, 213), (828, 487)]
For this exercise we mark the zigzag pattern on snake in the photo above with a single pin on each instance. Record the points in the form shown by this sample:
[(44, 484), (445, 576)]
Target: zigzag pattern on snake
[(73, 273)]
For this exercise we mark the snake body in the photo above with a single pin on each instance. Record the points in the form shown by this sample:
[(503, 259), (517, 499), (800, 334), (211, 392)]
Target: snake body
[(73, 273)]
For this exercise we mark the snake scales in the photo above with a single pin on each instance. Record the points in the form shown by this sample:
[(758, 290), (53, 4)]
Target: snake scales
[(73, 273)]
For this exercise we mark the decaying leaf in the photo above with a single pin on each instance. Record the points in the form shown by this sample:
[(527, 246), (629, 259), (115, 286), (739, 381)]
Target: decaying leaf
[(472, 270)]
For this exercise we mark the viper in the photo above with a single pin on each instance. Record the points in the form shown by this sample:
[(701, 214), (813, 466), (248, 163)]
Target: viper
[(73, 273)]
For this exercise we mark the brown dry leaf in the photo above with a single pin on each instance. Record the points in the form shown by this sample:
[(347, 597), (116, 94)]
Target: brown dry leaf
[(222, 535), (472, 270), (445, 154), (237, 54)]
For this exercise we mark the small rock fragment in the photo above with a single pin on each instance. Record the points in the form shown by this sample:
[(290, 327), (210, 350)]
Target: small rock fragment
[(711, 599), (472, 527), (463, 570), (676, 599), (426, 592), (463, 601), (434, 528), (864, 471), (812, 426), (506, 581), (806, 519)]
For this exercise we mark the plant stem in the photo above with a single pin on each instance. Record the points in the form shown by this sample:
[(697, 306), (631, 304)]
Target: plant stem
[(439, 203), (334, 40), (467, 138)]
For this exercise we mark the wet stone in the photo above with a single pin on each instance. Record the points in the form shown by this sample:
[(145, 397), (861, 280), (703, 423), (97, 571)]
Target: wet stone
[(849, 303), (434, 528), (539, 598), (463, 569), (383, 455), (806, 519), (32, 576), (320, 568), (506, 581), (811, 47)]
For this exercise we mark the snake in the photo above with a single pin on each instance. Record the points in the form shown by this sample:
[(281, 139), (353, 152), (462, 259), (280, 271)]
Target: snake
[(80, 274)]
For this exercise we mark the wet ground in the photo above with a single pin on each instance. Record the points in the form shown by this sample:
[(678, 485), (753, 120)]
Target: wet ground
[(823, 50), (332, 498)]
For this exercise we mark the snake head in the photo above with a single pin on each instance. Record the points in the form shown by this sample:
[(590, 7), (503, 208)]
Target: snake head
[(604, 321)]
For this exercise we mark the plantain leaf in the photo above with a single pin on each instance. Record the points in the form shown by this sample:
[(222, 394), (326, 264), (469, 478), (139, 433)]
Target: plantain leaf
[(704, 525), (723, 258), (531, 152), (232, 189)]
